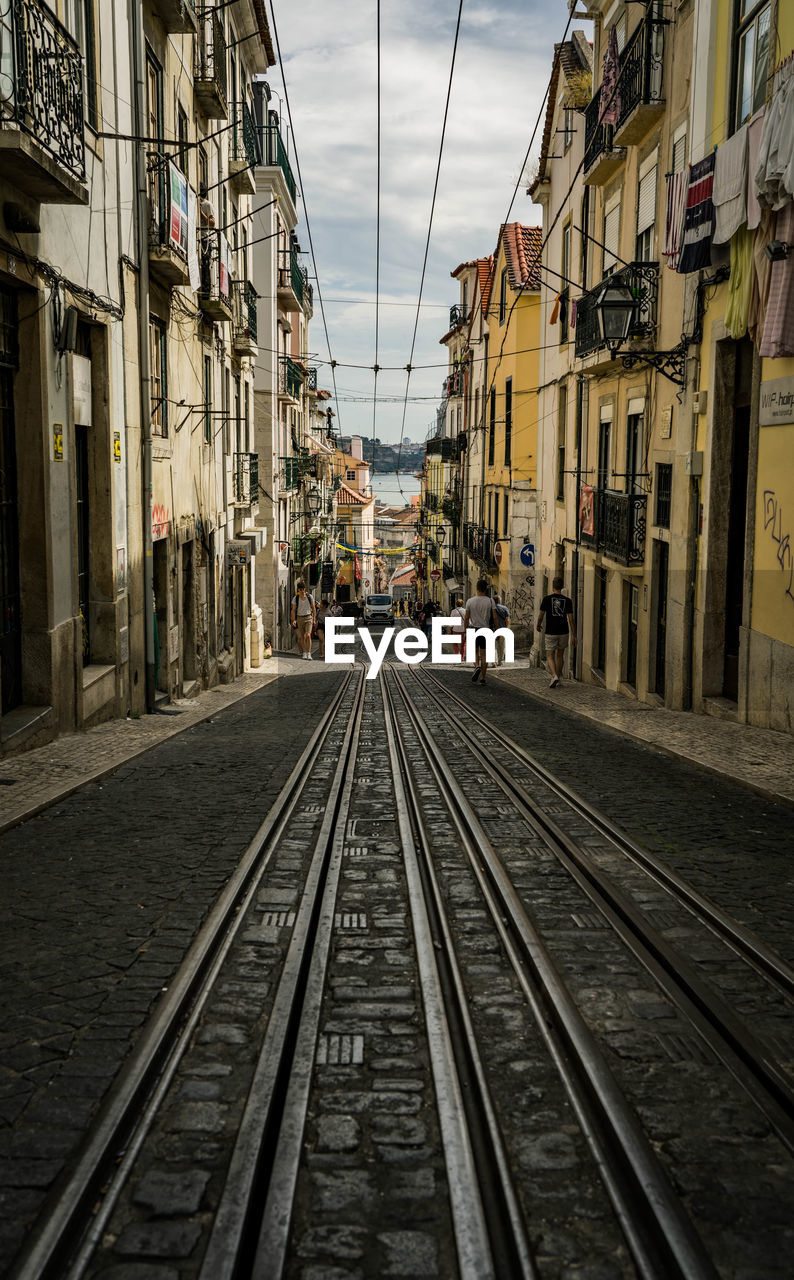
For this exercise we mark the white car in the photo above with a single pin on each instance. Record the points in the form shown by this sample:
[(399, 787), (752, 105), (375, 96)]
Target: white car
[(378, 609)]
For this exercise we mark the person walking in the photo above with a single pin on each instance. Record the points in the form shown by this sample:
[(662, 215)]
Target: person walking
[(459, 613), (503, 614), (557, 609), (480, 613), (304, 617)]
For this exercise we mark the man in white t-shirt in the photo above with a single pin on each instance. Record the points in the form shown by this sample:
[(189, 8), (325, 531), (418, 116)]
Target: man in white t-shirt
[(480, 613)]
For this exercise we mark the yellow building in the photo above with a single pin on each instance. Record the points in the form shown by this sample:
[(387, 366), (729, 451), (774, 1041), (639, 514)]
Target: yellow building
[(509, 459)]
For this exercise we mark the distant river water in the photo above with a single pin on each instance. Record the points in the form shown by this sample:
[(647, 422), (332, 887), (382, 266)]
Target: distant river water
[(396, 490)]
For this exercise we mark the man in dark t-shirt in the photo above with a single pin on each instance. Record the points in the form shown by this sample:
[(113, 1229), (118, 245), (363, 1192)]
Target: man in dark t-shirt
[(557, 609)]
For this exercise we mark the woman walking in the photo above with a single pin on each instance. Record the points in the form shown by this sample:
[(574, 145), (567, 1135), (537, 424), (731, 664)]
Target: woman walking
[(304, 618)]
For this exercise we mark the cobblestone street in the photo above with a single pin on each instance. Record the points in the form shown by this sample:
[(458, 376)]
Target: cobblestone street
[(108, 885)]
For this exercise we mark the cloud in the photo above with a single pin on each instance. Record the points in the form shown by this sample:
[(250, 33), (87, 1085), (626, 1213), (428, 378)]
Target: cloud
[(502, 69)]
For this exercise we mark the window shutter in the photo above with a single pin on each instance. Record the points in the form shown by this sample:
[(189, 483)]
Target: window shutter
[(611, 236), (679, 151), (646, 201)]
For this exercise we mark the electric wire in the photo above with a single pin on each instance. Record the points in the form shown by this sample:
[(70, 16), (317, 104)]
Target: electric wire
[(377, 248)]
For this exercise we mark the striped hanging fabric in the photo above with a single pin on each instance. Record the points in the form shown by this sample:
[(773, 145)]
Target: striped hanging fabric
[(699, 220)]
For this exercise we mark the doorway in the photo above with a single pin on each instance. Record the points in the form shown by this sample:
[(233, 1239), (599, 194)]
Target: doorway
[(601, 620), (737, 519), (632, 619), (10, 602), (662, 572)]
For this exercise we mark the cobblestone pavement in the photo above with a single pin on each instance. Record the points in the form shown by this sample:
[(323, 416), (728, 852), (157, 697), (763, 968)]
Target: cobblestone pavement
[(105, 890)]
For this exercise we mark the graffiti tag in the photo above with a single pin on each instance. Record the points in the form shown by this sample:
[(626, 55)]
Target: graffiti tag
[(773, 522)]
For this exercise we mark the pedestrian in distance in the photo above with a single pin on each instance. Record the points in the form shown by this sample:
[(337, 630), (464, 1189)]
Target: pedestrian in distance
[(335, 608), (480, 613), (304, 619), (503, 614), (459, 634), (557, 610)]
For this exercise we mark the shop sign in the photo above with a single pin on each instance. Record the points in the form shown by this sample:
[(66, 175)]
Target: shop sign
[(238, 552), (777, 402)]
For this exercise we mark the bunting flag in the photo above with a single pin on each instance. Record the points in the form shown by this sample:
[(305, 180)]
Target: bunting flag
[(699, 220)]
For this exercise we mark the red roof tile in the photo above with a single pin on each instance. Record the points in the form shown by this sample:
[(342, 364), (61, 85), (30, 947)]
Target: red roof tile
[(522, 247)]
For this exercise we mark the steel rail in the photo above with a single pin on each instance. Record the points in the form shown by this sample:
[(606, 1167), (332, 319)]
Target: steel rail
[(53, 1247), (659, 1234), (743, 940), (490, 1231), (740, 1051), (250, 1232)]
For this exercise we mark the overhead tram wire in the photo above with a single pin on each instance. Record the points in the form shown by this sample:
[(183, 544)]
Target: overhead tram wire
[(509, 209), (427, 242), (331, 361), (376, 368)]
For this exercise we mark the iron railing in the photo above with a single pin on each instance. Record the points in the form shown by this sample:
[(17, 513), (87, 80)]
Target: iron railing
[(443, 447), (244, 140), (216, 284), (641, 64), (245, 479), (210, 55), (313, 378), (457, 316), (274, 154), (480, 543), (619, 526), (642, 279), (290, 378), (292, 275), (290, 475), (167, 231), (244, 297), (43, 92), (597, 136)]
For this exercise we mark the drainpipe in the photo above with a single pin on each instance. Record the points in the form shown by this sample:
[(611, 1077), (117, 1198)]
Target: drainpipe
[(135, 10)]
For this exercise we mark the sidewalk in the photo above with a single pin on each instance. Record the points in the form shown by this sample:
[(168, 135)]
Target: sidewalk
[(761, 759), (35, 779)]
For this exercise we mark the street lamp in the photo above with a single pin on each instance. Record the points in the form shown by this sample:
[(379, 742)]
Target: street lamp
[(615, 306)]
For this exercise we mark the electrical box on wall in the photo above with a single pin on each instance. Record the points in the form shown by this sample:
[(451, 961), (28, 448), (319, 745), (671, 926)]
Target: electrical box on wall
[(693, 464), (700, 402)]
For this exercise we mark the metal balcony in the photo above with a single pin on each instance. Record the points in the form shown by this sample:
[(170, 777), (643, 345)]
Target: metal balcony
[(209, 75), (619, 526), (274, 155), (642, 278), (42, 141), (245, 480), (292, 282), (215, 292), (289, 379), (177, 15), (641, 68), (457, 316), (312, 378), (290, 474), (601, 157), (243, 151), (443, 447), (168, 233), (244, 332)]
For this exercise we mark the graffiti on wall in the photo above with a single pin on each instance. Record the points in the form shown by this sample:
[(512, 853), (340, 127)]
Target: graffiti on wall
[(521, 602), (775, 527)]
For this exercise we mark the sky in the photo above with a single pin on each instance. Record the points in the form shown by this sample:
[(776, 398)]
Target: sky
[(502, 68)]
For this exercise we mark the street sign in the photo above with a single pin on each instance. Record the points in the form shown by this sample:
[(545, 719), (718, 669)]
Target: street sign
[(366, 583), (435, 575), (497, 553), (528, 554)]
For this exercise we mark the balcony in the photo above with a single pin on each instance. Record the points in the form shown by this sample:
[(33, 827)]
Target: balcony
[(457, 316), (177, 16), (312, 378), (619, 526), (168, 235), (243, 151), (641, 67), (244, 331), (290, 379), (274, 155), (602, 158), (480, 543), (292, 282), (42, 143), (642, 278), (215, 292), (443, 447), (245, 480), (290, 475), (209, 74)]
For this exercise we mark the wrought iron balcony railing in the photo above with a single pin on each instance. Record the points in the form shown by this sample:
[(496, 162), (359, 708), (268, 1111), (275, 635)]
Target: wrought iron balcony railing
[(244, 298), (244, 148), (215, 292), (597, 137), (289, 378), (274, 154), (292, 278), (457, 316), (479, 543), (168, 228), (41, 75), (619, 525), (642, 278), (245, 477), (641, 65), (209, 77), (313, 378), (443, 447)]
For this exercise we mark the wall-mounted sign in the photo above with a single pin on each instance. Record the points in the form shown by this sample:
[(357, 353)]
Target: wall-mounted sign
[(528, 554), (498, 553), (777, 402), (57, 441), (117, 446), (238, 552)]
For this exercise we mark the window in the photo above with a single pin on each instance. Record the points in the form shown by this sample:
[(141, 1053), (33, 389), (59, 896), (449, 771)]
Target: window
[(664, 491), (604, 441), (490, 508), (503, 297), (238, 417), (508, 420), (477, 407), (634, 444), (562, 426), (567, 128), (751, 58), (79, 20), (181, 157), (227, 409), (464, 298), (583, 223), (350, 474), (158, 378), (496, 513), (203, 171), (247, 414), (564, 286), (611, 234), (492, 429), (678, 158), (646, 211), (208, 400), (505, 510)]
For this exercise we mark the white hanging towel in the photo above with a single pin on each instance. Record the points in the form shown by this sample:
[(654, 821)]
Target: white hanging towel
[(730, 187)]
